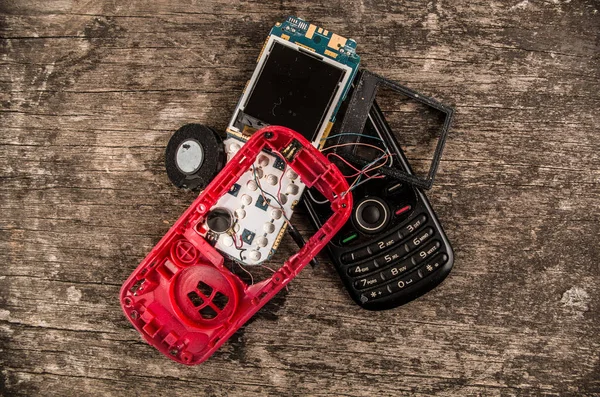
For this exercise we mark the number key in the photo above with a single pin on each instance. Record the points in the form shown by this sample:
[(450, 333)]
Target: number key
[(426, 252), (419, 238), (368, 282), (412, 226)]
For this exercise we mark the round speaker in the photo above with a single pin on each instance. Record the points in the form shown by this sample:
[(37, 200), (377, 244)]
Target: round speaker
[(219, 220), (194, 156)]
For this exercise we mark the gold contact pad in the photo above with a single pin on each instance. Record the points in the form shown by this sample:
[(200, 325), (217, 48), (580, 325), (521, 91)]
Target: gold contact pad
[(336, 41), (310, 32), (331, 53), (305, 46), (248, 131)]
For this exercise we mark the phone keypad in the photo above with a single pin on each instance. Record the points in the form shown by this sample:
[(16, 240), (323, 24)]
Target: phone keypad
[(387, 242), (395, 262)]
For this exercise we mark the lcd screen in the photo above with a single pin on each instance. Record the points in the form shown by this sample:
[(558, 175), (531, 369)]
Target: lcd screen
[(294, 90)]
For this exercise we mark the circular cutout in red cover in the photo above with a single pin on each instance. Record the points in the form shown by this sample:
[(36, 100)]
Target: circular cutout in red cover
[(202, 296), (184, 253)]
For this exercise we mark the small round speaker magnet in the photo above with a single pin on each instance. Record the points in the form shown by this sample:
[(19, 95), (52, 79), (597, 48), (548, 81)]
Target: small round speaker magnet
[(194, 155), (219, 220)]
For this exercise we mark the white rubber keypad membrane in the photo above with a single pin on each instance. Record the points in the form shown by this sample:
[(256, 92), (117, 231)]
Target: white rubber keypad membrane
[(259, 226)]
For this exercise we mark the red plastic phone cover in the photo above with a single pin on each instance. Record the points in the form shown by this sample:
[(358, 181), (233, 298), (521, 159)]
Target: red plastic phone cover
[(182, 298)]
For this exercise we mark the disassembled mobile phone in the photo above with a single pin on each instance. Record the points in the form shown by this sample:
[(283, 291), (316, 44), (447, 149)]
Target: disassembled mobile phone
[(302, 76), (393, 249), (182, 298), (378, 248)]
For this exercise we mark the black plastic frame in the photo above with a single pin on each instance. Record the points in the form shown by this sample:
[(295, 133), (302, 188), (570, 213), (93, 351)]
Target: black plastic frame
[(363, 97)]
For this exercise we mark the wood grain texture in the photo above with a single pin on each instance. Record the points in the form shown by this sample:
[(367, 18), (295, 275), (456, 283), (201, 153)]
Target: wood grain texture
[(90, 92)]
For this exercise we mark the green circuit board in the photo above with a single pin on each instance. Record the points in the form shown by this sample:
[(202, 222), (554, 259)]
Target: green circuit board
[(321, 41), (303, 75)]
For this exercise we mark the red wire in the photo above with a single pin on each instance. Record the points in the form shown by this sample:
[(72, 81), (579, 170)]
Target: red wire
[(345, 162), (279, 184), (372, 167), (235, 241)]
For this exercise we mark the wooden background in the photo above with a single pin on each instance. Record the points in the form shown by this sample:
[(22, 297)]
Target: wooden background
[(92, 90)]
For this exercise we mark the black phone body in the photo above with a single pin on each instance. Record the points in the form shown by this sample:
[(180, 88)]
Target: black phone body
[(393, 249)]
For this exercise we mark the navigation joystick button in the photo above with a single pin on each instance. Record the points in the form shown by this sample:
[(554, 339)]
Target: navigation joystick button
[(371, 215)]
